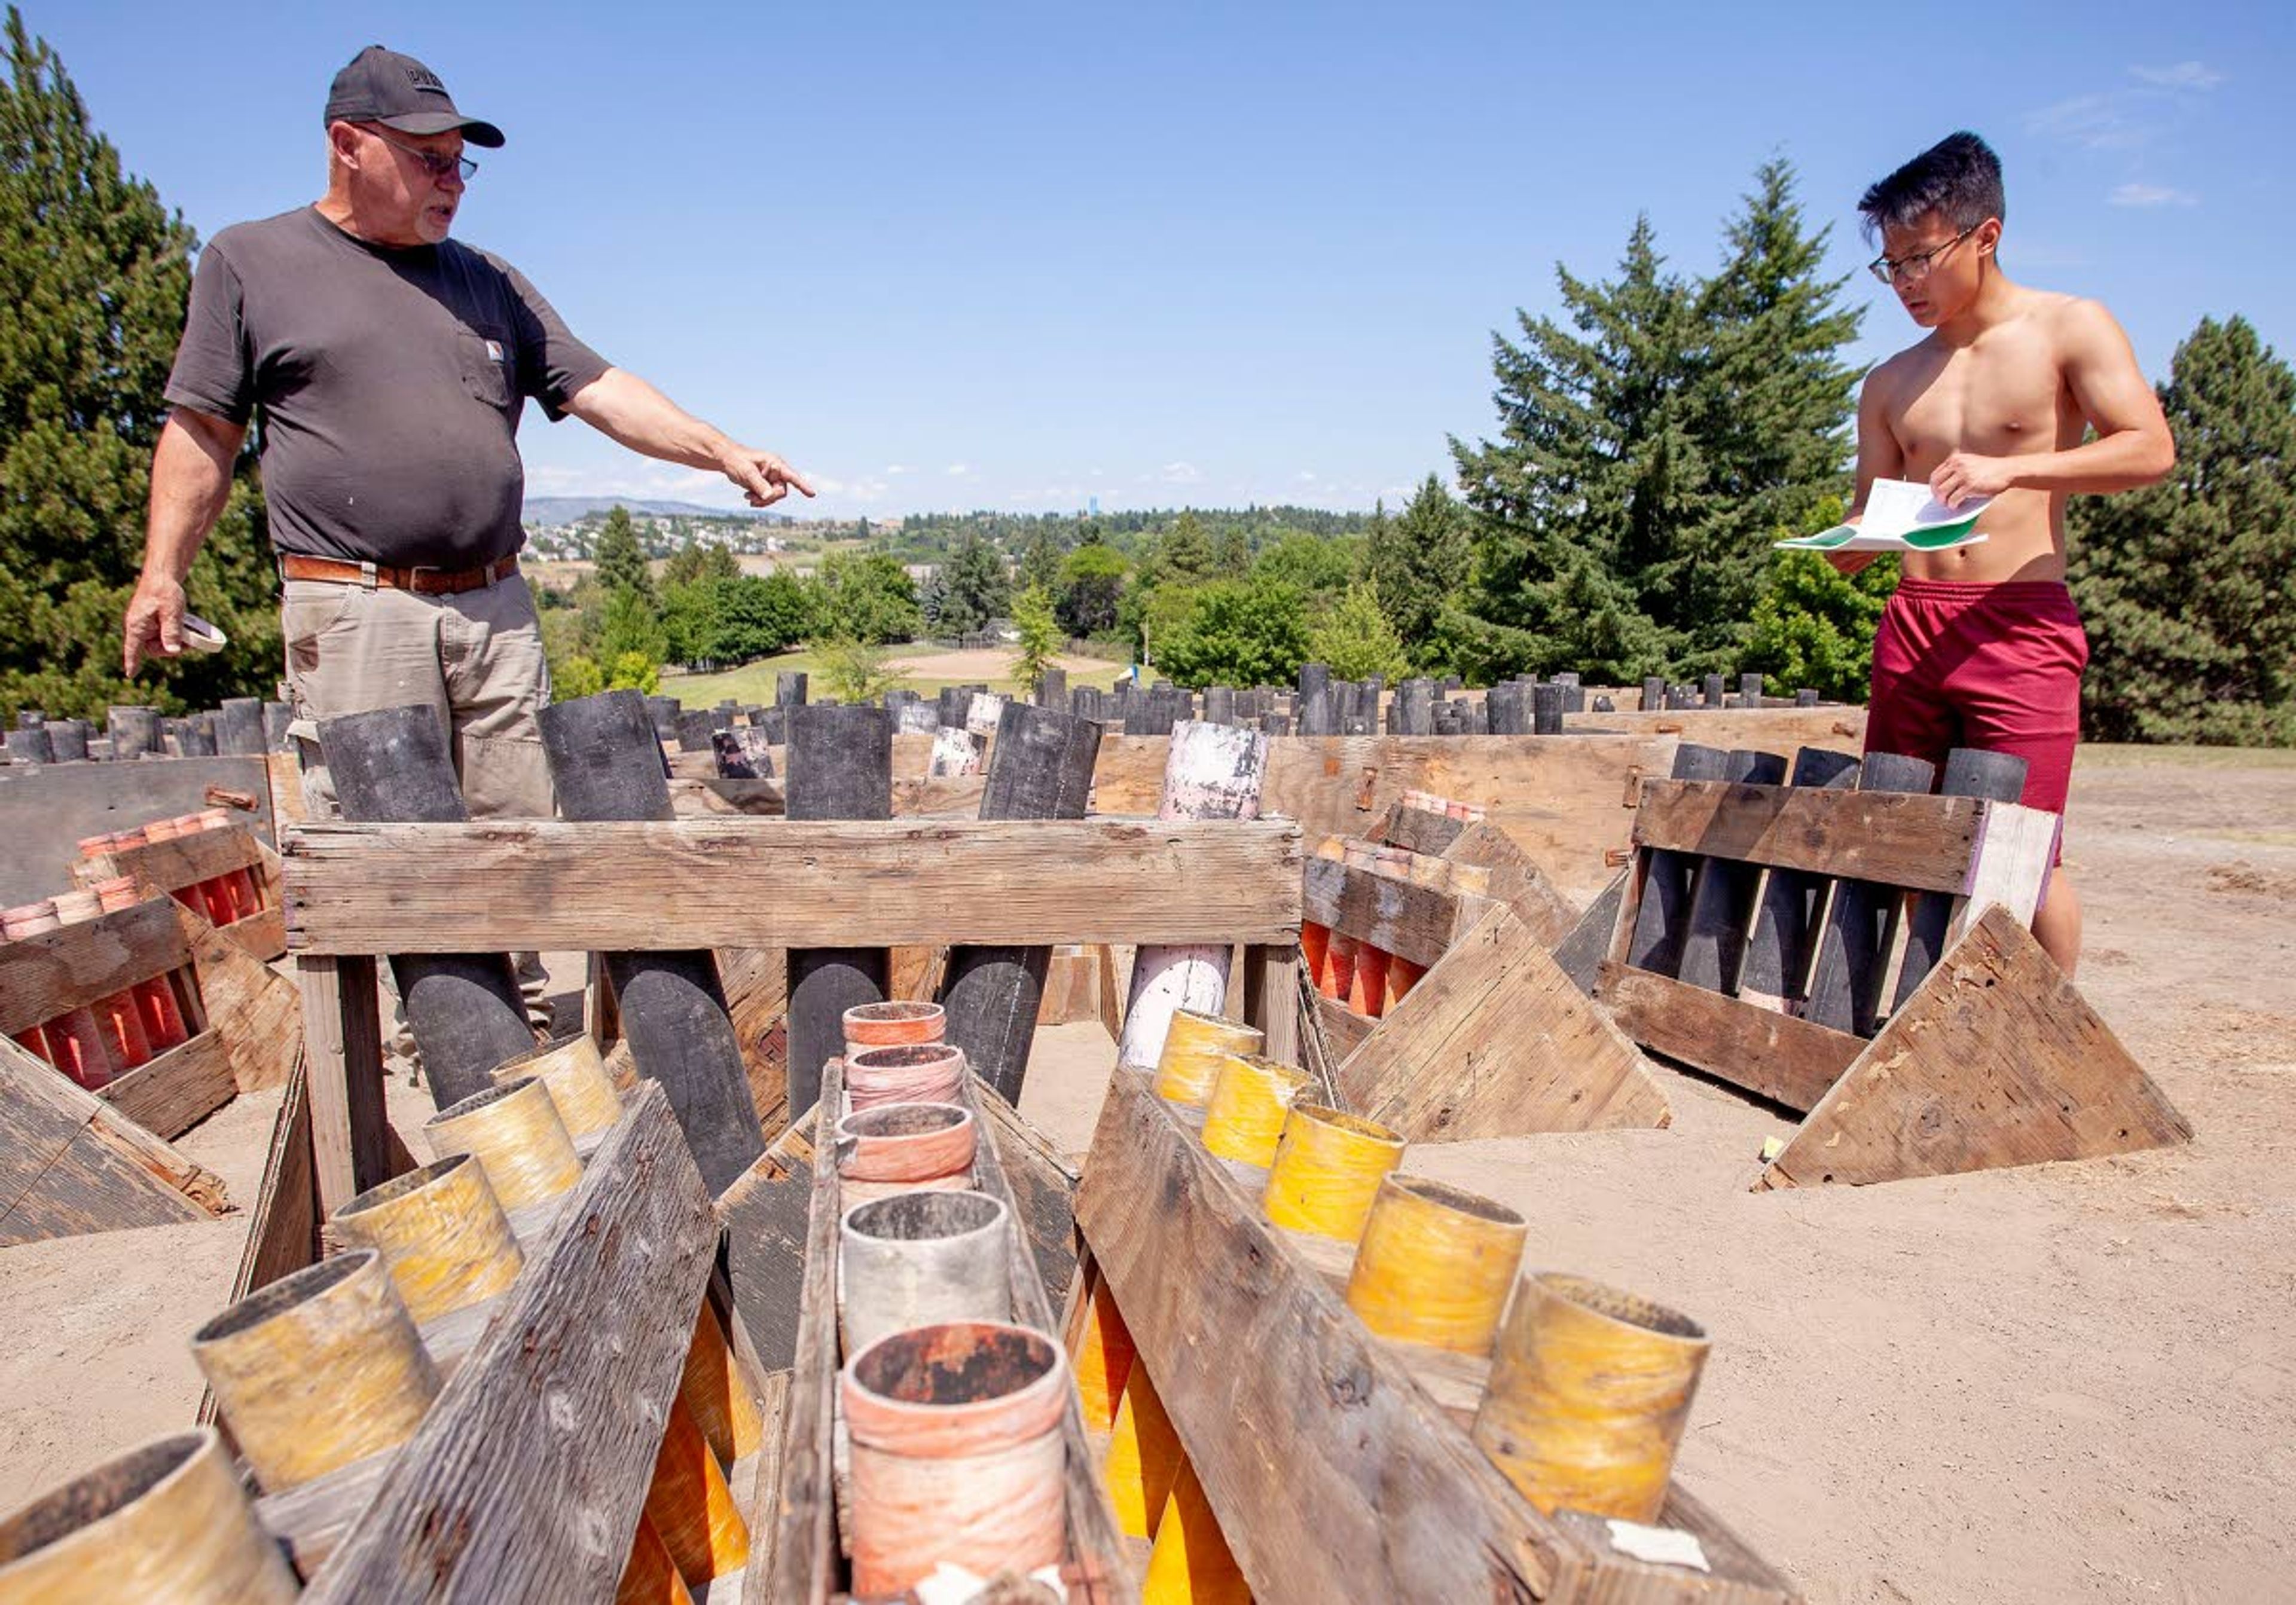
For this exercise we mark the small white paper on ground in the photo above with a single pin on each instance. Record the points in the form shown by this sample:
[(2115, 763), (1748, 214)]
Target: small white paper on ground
[(1660, 1546)]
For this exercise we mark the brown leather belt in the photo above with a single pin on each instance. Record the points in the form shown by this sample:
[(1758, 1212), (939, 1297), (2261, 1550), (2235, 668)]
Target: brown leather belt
[(427, 582)]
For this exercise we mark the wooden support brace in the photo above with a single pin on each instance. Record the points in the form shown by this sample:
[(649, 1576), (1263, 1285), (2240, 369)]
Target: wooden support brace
[(70, 1163), (342, 1045), (1995, 1060)]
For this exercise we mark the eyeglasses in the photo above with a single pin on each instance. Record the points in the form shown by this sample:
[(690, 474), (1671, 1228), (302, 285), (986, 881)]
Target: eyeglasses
[(1916, 267), (433, 162)]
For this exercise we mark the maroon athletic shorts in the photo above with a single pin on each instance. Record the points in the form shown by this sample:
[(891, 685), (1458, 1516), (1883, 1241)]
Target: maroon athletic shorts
[(1992, 667)]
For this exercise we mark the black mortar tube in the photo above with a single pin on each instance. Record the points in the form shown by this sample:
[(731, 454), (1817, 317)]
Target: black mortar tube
[(1845, 986), (390, 767), (841, 767), (239, 725), (1722, 905), (1662, 917), (605, 764), (1968, 773), (1040, 768), (1778, 948)]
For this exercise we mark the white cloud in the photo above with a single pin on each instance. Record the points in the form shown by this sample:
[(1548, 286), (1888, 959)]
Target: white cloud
[(1307, 476), (2182, 74), (957, 470), (1180, 473), (897, 468), (2151, 194), (2101, 122)]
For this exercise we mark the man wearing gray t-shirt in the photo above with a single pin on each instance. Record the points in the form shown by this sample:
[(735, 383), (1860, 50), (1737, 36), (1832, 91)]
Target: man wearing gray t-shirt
[(387, 367)]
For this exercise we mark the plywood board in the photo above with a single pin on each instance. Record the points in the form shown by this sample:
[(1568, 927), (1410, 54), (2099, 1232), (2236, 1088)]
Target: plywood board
[(1997, 1060), (1496, 1041), (533, 886)]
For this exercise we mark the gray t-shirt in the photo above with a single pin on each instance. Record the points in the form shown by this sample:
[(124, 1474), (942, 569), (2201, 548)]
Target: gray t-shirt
[(389, 382)]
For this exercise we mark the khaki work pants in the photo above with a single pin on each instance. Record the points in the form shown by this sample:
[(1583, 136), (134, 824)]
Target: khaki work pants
[(476, 658)]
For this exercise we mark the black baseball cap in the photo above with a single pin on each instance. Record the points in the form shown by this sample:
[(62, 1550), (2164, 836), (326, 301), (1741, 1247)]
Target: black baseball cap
[(383, 86)]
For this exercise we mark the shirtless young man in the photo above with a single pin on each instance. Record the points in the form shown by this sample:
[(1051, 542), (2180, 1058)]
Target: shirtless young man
[(1980, 646)]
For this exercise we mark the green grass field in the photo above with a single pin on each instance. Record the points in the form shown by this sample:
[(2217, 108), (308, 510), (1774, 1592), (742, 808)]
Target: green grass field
[(931, 669)]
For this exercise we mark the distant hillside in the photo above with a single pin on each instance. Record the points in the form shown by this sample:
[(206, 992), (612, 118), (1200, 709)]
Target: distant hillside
[(565, 509)]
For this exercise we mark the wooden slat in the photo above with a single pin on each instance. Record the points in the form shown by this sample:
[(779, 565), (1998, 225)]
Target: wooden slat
[(1402, 917), (767, 1212), (70, 1163), (1333, 1476), (803, 1518), (1344, 1030), (180, 862), (1996, 1061), (1893, 838), (1041, 1184), (2015, 847), (1516, 882), (250, 1005), (528, 886), (525, 1480), (343, 1056), (1580, 952), (1785, 1059), (170, 1094), (44, 976), (286, 1235), (1421, 829), (1496, 1041), (262, 937)]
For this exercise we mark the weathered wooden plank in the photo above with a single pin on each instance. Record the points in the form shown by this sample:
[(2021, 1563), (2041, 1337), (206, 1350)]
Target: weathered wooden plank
[(1788, 1060), (1515, 880), (1496, 1041), (835, 883), (2014, 848), (1344, 1030), (170, 1094), (1421, 829), (1332, 1476), (44, 976), (1041, 1183), (262, 937), (1398, 916), (1580, 952), (765, 1214), (179, 861), (802, 1519), (1271, 1000), (1996, 1061), (252, 1006), (70, 1163), (526, 1479), (1891, 838), (286, 1235), (342, 1057), (45, 811)]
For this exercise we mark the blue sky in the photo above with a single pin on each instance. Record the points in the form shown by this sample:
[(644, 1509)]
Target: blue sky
[(1019, 255)]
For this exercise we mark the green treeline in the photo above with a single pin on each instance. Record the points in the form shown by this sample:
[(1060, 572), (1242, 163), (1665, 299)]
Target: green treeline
[(1650, 441)]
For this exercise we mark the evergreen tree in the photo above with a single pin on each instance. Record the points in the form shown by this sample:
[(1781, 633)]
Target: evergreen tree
[(1418, 561), (1596, 478), (978, 588), (630, 627), (2188, 587), (1355, 638), (621, 561), (696, 561), (1040, 560), (866, 600), (1187, 554), (1232, 551), (1772, 409), (97, 274)]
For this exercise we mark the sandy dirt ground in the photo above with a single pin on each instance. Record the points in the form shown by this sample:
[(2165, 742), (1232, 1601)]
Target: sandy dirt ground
[(2061, 1383)]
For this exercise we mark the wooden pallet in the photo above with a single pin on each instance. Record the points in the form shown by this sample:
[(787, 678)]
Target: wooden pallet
[(1996, 1060), (1337, 1464), (805, 1564), (1493, 1040), (173, 865), (241, 1016)]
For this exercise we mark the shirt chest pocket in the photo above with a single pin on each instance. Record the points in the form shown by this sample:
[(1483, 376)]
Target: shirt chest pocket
[(485, 358)]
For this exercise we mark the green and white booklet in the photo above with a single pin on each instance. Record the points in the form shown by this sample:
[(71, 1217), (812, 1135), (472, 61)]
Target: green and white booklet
[(1901, 516)]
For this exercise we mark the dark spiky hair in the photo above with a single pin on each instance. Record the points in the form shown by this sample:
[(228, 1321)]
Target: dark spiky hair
[(1959, 178)]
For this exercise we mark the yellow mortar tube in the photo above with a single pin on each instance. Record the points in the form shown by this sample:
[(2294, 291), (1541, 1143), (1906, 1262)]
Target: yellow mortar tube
[(1326, 1170), (1250, 1096), (1590, 1388), (167, 1520), (1191, 1563), (516, 1132), (317, 1370), (1435, 1265), (576, 1078), (441, 1232), (691, 1506), (1103, 1360), (1143, 1457), (712, 1389), (1193, 1050), (650, 1578)]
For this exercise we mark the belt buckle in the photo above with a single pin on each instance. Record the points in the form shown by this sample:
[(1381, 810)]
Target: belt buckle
[(414, 573)]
